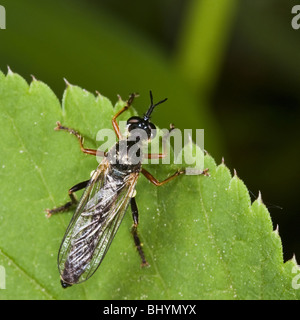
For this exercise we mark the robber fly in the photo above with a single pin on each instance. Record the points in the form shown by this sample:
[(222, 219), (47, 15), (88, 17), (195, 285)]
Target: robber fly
[(103, 204)]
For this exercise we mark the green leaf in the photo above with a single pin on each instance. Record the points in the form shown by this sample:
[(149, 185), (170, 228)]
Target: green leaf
[(202, 236)]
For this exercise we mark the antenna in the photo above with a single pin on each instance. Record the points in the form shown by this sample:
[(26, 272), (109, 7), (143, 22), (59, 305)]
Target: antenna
[(152, 106)]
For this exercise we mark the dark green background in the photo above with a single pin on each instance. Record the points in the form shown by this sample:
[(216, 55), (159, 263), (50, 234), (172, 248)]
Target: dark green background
[(231, 67)]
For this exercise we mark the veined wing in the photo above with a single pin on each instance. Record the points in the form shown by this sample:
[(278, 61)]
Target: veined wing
[(94, 224)]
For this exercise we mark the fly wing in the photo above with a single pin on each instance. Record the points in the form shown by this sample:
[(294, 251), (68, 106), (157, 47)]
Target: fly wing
[(94, 224)]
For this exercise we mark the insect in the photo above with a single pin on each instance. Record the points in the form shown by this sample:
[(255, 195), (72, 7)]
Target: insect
[(108, 193)]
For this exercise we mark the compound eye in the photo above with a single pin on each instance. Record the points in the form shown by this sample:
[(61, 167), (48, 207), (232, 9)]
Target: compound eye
[(151, 130), (133, 122)]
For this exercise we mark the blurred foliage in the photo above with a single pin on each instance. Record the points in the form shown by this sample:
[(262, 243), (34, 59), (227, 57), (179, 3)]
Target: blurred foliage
[(226, 66)]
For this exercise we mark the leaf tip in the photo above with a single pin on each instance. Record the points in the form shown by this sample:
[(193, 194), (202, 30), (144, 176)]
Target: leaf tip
[(235, 174), (276, 231), (33, 77), (68, 84), (9, 71), (294, 259), (259, 198)]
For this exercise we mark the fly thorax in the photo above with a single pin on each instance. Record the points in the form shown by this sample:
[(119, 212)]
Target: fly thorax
[(125, 152)]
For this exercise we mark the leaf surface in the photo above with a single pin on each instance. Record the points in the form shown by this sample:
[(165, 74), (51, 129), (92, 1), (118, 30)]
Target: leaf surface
[(202, 236)]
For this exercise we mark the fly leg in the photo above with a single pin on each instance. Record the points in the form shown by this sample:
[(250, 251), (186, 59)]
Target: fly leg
[(137, 242), (80, 139), (157, 183), (114, 119), (71, 203)]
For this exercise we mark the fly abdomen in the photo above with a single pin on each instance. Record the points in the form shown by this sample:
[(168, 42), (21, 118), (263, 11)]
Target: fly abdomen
[(78, 260), (85, 238)]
